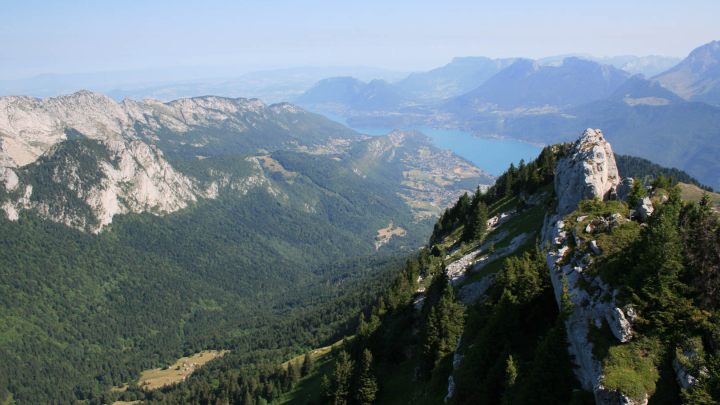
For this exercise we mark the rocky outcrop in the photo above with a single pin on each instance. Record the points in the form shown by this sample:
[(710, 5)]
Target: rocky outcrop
[(644, 209), (89, 184), (588, 171), (471, 292), (688, 363), (625, 188), (138, 179)]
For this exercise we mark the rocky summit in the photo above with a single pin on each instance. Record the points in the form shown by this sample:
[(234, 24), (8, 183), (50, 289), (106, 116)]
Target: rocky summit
[(588, 171)]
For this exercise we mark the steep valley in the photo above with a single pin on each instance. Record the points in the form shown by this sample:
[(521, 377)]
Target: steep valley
[(563, 283), (262, 232), (133, 233)]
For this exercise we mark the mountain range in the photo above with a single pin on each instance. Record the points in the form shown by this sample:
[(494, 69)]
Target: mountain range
[(136, 233), (674, 114), (208, 221)]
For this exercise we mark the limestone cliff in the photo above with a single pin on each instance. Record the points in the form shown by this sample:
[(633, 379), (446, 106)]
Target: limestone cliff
[(82, 158), (587, 171), (102, 156)]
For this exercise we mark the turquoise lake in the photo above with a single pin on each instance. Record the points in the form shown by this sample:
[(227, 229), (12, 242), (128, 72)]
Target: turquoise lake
[(490, 154)]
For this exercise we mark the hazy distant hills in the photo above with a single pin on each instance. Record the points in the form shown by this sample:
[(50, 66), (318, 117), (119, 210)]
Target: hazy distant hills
[(545, 100), (647, 66), (639, 91), (457, 77), (525, 83), (340, 94), (271, 86), (672, 118), (697, 77)]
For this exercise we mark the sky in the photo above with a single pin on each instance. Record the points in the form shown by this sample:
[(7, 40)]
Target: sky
[(63, 37)]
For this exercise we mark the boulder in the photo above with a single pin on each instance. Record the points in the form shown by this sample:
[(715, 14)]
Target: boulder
[(589, 228), (644, 209), (624, 188), (682, 375), (451, 389), (619, 325)]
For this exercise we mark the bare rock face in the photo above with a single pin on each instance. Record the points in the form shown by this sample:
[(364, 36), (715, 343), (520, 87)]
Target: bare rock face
[(624, 188), (644, 209), (139, 179), (588, 171), (116, 168), (127, 173)]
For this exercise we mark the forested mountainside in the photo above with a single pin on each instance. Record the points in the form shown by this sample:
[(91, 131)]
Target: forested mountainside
[(134, 233), (563, 283)]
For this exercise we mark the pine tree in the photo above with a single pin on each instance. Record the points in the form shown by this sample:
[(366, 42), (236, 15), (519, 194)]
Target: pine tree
[(661, 263), (294, 372), (637, 193), (545, 382), (701, 240), (509, 181), (248, 399), (326, 388), (342, 376), (443, 328), (308, 364), (511, 372), (367, 384), (461, 209), (476, 227)]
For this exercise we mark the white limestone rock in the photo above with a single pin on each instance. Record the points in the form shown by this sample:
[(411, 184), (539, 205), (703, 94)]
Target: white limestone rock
[(682, 375), (136, 177), (644, 209), (450, 390), (589, 228), (619, 324), (588, 171)]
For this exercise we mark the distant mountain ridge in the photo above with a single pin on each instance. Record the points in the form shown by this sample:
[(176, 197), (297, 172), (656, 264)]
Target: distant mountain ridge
[(525, 83), (671, 118), (697, 77), (347, 93), (459, 76)]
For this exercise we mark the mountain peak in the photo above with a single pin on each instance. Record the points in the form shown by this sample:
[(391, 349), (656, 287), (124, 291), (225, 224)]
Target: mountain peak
[(527, 84), (696, 77), (639, 91), (587, 171)]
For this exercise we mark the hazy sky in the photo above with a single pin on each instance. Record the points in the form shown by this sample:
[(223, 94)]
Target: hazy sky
[(85, 36)]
